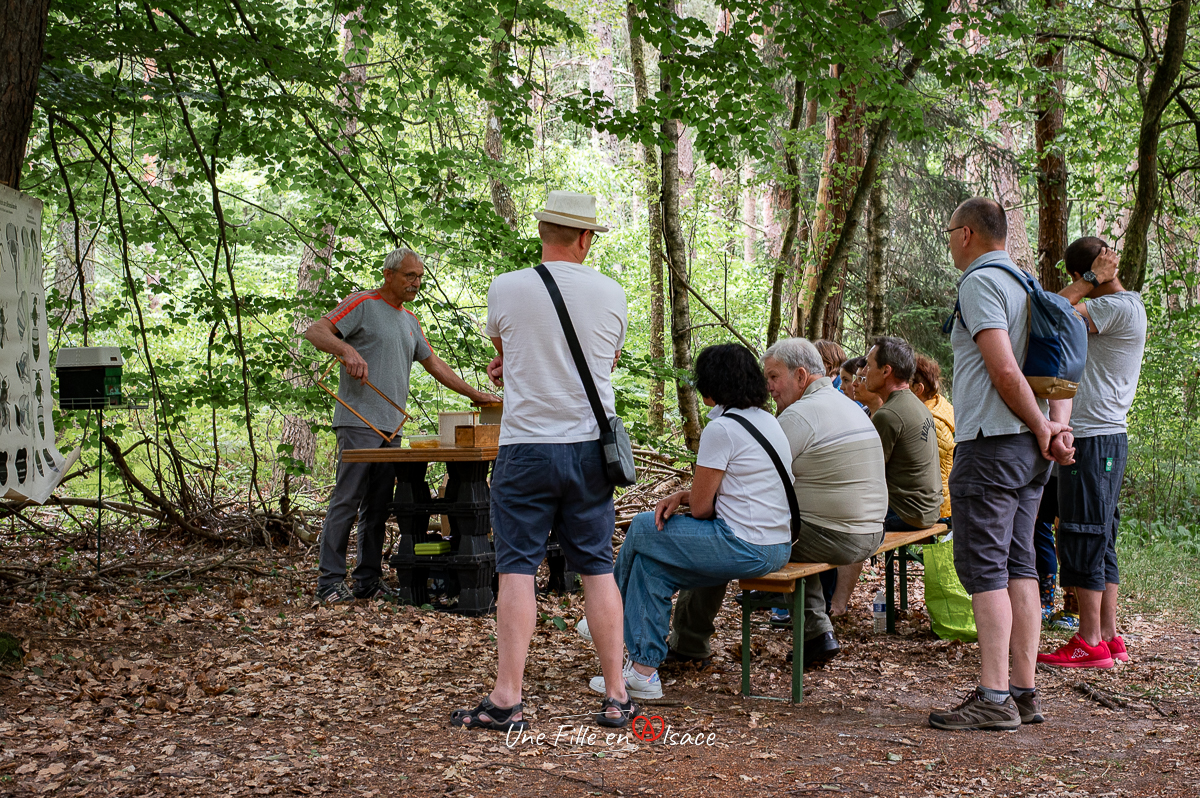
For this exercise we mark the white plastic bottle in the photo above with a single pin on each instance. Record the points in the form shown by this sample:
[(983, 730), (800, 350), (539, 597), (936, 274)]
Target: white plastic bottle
[(879, 611)]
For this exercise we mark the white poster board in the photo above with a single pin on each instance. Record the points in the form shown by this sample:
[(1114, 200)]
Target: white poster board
[(30, 464)]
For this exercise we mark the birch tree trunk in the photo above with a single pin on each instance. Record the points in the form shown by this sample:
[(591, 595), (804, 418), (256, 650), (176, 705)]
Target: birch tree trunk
[(493, 136), (650, 175), (877, 243), (681, 320)]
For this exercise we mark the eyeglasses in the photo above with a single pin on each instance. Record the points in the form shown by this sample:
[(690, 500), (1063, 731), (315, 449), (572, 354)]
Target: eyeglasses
[(952, 229), (410, 278), (859, 378)]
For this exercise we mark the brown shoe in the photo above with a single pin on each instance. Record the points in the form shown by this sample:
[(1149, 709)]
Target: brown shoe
[(1030, 707), (977, 713)]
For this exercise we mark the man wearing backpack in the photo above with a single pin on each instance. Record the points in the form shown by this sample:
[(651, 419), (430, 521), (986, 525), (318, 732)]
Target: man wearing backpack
[(1088, 490), (1005, 438)]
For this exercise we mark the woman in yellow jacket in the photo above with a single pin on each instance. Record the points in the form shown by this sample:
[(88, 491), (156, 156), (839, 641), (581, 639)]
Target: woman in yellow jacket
[(926, 384)]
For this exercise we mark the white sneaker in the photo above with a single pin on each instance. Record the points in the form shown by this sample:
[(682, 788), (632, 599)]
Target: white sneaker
[(637, 685), (582, 629)]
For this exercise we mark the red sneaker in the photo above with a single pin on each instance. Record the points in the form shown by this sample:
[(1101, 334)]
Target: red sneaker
[(1116, 647), (1078, 654)]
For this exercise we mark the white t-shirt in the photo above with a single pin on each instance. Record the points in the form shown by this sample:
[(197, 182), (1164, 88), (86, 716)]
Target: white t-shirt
[(1114, 363), (751, 498), (544, 400)]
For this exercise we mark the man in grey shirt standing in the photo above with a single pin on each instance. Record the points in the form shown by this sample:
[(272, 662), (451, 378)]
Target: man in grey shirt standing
[(1088, 490), (1004, 442), (377, 339)]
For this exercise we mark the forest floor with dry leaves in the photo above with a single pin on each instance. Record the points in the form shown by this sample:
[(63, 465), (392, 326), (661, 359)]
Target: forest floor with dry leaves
[(240, 687)]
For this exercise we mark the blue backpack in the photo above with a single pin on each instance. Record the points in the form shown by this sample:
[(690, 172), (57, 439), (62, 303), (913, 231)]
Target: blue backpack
[(1058, 335)]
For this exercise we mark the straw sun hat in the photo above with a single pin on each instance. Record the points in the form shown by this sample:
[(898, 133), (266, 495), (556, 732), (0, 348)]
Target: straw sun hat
[(571, 210)]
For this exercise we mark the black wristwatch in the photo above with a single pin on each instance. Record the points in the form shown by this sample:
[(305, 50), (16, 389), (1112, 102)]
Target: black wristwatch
[(1090, 277)]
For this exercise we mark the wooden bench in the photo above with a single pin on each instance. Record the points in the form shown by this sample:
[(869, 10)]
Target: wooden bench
[(895, 547)]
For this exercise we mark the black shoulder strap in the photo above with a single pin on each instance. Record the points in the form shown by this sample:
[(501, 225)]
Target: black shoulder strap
[(585, 374), (788, 484)]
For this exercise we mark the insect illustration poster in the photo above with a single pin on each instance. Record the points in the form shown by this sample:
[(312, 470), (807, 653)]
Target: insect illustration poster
[(30, 464)]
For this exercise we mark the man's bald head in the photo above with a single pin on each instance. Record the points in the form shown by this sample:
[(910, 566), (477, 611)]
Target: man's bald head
[(985, 217)]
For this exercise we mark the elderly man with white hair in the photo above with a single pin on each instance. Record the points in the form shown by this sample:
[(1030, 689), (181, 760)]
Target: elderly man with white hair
[(377, 339), (841, 490)]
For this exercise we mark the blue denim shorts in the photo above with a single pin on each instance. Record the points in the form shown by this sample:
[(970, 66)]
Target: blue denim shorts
[(537, 487)]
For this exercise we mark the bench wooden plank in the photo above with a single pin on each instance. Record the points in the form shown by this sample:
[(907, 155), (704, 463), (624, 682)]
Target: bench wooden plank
[(784, 580)]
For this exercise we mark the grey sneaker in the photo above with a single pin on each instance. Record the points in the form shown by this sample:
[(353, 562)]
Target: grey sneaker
[(1030, 707), (978, 713), (334, 594)]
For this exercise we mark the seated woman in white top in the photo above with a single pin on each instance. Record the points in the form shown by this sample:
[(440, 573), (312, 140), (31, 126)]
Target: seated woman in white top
[(739, 527)]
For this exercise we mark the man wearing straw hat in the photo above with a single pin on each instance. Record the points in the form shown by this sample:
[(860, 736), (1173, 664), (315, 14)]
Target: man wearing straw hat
[(376, 339), (550, 469)]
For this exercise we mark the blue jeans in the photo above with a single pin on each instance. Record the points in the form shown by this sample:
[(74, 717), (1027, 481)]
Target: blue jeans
[(1044, 542), (686, 553)]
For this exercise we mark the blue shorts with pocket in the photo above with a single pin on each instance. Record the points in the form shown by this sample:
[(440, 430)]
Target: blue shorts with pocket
[(1088, 515), (537, 487)]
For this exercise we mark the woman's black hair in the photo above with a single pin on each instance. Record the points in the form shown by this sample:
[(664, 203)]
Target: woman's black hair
[(729, 374)]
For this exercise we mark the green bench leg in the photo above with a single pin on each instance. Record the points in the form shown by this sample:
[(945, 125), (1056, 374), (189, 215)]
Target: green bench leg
[(889, 558), (902, 553), (798, 642), (746, 610)]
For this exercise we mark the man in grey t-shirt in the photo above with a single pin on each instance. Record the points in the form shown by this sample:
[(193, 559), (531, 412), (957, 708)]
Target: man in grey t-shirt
[(1088, 490), (1004, 442), (377, 339)]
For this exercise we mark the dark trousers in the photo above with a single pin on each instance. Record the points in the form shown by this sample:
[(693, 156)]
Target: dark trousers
[(363, 491), (1043, 541)]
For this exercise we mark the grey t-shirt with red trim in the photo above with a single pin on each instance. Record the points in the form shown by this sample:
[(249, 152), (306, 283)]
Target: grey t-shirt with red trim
[(389, 338)]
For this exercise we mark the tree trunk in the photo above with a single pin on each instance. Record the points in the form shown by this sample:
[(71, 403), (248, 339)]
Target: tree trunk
[(1008, 193), (786, 261), (650, 166), (749, 215), (877, 244), (1160, 92), (600, 80), (74, 272), (681, 320), (23, 23), (1052, 166), (493, 136), (314, 268), (841, 168)]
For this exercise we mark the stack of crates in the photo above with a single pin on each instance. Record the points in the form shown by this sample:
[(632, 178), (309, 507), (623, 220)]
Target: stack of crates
[(468, 571)]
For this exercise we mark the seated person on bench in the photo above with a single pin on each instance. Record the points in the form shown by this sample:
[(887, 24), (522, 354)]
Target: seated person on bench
[(910, 451), (739, 527), (837, 462)]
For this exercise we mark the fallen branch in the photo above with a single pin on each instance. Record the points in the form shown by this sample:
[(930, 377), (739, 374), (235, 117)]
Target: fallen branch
[(168, 510), (1087, 691), (7, 508)]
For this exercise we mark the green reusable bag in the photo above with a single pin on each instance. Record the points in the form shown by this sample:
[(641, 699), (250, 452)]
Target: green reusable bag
[(947, 601)]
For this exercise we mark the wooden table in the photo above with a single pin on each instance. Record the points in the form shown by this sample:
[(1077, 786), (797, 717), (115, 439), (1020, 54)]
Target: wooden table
[(450, 454), (466, 503)]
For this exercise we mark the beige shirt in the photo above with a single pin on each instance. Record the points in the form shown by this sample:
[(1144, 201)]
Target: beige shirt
[(837, 460)]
